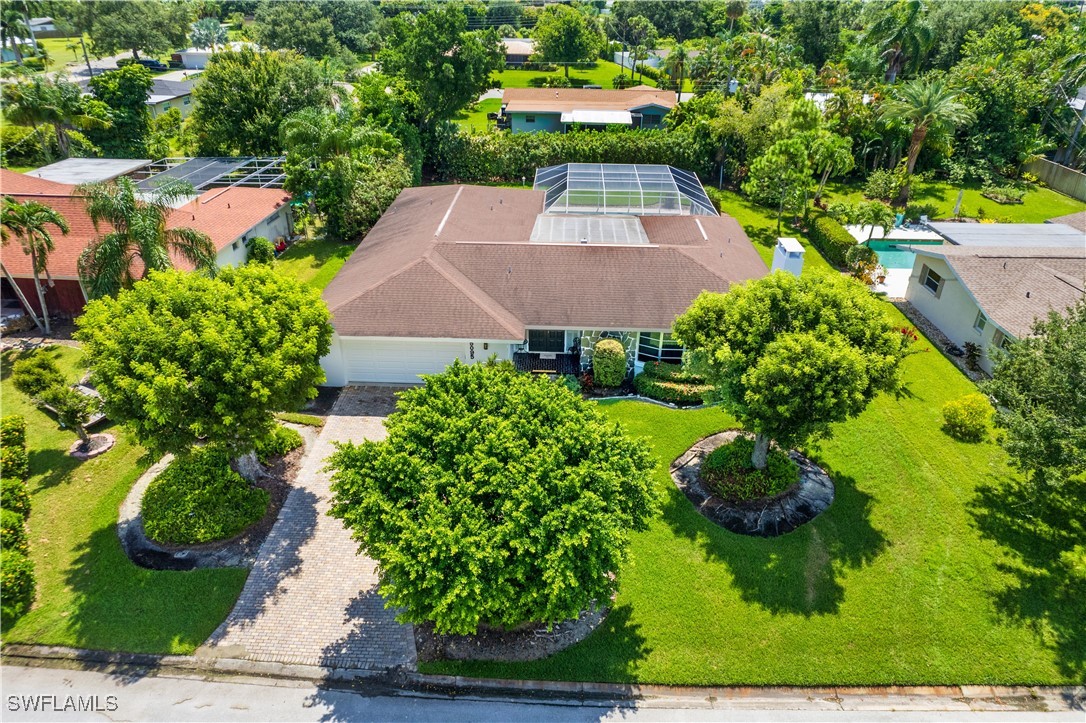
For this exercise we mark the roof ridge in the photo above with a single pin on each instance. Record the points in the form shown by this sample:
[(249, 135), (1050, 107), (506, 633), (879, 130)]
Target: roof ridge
[(472, 291), (384, 279)]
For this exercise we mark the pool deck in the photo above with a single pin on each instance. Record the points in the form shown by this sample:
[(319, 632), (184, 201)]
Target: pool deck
[(895, 283)]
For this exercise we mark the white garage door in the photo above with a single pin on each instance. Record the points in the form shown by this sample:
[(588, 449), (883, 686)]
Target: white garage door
[(398, 361)]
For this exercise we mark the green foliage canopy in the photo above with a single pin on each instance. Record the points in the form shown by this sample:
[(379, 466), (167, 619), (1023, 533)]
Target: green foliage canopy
[(141, 27), (565, 35)]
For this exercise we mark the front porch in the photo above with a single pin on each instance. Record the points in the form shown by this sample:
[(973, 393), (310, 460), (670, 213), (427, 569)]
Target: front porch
[(547, 362)]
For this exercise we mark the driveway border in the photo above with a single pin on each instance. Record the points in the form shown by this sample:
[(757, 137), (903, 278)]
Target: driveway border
[(963, 698)]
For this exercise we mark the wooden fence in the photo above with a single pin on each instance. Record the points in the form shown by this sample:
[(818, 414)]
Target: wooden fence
[(1060, 178)]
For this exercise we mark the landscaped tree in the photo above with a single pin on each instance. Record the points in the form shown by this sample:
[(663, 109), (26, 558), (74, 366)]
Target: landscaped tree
[(565, 35), (244, 96), (39, 101), (789, 356), (441, 60), (831, 155), (29, 222), (138, 231), (142, 27), (642, 37), (297, 26), (676, 67), (902, 34), (208, 33), (497, 499), (780, 177), (929, 105), (1039, 387), (124, 91), (181, 357), (356, 25)]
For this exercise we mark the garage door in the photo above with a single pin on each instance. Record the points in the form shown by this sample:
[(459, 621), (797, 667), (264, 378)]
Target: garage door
[(398, 361)]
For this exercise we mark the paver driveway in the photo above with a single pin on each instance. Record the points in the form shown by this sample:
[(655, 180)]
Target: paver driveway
[(310, 599)]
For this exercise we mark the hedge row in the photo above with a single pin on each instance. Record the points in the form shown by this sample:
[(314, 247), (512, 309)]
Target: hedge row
[(671, 383), (511, 157), (830, 238), (17, 581)]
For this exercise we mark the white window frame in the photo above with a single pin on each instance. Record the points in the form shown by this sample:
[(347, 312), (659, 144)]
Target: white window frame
[(980, 322), (658, 346), (926, 275)]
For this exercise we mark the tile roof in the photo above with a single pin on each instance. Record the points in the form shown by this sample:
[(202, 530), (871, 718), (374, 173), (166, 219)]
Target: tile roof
[(566, 100), (224, 214), (1014, 287), (456, 262)]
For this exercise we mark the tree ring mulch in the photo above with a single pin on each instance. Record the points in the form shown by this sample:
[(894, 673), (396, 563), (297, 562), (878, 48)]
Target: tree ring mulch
[(238, 551), (99, 444), (766, 517), (530, 642)]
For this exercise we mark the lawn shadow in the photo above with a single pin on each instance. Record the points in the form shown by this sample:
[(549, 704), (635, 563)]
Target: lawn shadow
[(57, 463), (1044, 532), (798, 573)]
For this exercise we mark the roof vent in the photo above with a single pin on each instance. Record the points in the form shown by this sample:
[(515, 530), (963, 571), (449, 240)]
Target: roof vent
[(584, 239), (1027, 294)]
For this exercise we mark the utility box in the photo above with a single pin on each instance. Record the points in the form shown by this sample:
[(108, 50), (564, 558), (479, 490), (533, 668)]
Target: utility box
[(788, 256)]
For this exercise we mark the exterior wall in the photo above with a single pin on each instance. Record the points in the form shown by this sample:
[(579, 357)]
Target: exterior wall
[(236, 253), (589, 337), (183, 104), (195, 61), (657, 110), (64, 299), (953, 311), (544, 122), (349, 357), (652, 61)]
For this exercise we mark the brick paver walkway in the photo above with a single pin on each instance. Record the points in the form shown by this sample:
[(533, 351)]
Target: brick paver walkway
[(310, 599)]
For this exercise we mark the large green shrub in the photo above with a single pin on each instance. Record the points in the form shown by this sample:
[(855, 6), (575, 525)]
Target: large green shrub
[(14, 496), (608, 363), (23, 146), (671, 383), (728, 472), (883, 184), (12, 531), (16, 583), (831, 239), (497, 498), (36, 373), (199, 498), (967, 418), (14, 463), (261, 250), (279, 442)]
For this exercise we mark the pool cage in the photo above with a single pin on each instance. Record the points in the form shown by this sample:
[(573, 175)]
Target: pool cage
[(617, 188)]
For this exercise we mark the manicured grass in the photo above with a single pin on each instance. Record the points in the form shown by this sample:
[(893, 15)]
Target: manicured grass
[(474, 118), (914, 575), (314, 262), (1039, 205), (760, 223), (89, 594), (308, 420), (601, 73)]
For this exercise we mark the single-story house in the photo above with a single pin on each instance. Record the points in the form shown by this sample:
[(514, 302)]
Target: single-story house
[(517, 51), (167, 94), (1009, 235), (536, 276), (197, 58), (991, 295), (42, 25), (556, 109), (655, 58), (230, 216)]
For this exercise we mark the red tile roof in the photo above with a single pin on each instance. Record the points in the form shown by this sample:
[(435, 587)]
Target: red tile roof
[(224, 214)]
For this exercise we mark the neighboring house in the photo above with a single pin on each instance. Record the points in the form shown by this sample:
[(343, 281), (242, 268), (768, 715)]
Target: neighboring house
[(517, 51), (167, 94), (1009, 235), (991, 295), (230, 216), (535, 276), (46, 28), (656, 58), (556, 109), (197, 58)]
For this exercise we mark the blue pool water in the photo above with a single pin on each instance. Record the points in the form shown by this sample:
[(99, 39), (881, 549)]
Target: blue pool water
[(892, 256)]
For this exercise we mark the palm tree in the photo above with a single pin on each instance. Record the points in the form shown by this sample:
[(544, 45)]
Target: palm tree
[(734, 9), (40, 101), (830, 154), (208, 33), (321, 135), (903, 37), (14, 28), (676, 66), (927, 105), (138, 231), (28, 222)]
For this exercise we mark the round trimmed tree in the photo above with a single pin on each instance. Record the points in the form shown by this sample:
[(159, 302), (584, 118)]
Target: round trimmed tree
[(497, 499), (789, 356), (182, 357)]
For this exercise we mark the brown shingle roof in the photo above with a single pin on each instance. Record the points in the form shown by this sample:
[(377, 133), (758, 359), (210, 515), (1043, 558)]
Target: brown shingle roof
[(565, 100), (456, 262), (1014, 287), (1074, 220)]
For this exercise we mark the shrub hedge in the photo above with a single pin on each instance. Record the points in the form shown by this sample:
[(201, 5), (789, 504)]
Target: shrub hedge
[(967, 418), (728, 472), (609, 363), (16, 570), (671, 383), (281, 441), (12, 531), (830, 238), (14, 496), (16, 583), (14, 463), (199, 498)]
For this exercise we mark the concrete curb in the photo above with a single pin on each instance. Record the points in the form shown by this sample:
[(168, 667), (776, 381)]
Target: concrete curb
[(962, 698)]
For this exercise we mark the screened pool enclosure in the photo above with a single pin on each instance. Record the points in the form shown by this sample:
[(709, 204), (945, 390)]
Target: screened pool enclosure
[(616, 188)]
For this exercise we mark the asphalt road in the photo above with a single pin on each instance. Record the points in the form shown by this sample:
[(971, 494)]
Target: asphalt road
[(115, 697)]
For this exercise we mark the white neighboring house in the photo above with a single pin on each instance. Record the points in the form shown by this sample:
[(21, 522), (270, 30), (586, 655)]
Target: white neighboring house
[(991, 295), (197, 58), (534, 276)]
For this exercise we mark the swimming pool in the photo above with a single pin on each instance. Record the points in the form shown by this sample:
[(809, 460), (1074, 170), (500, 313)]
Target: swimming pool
[(892, 256)]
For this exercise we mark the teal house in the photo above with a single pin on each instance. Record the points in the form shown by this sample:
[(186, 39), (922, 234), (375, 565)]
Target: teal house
[(556, 110)]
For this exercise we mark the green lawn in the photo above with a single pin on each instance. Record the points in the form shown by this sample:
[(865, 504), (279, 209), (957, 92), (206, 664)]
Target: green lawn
[(601, 73), (89, 594), (315, 261), (911, 577), (474, 119), (1039, 205)]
